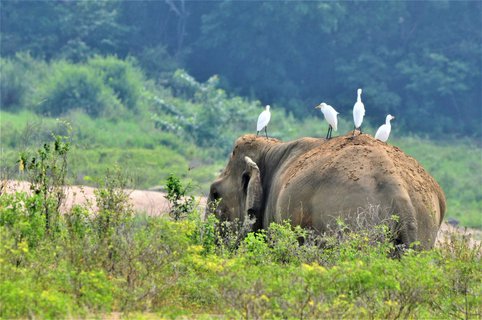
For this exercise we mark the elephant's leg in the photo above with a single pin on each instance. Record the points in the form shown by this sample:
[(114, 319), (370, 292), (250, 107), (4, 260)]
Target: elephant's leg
[(407, 228)]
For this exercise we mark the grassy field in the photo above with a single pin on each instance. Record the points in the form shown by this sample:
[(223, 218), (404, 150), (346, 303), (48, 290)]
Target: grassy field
[(145, 155), (457, 167), (87, 265)]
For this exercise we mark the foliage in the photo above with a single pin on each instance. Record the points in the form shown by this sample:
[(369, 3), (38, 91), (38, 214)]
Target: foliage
[(12, 85), (152, 264), (18, 81), (75, 30), (76, 87), (47, 170), (415, 60), (177, 195), (204, 113), (396, 52), (122, 77)]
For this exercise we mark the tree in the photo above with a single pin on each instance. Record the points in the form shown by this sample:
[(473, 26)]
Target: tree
[(417, 60), (74, 30)]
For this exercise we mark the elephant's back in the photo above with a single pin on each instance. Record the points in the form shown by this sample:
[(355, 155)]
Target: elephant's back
[(364, 167)]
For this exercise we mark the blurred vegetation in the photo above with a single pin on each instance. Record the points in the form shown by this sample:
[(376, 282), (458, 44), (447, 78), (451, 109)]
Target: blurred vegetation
[(94, 263), (417, 60)]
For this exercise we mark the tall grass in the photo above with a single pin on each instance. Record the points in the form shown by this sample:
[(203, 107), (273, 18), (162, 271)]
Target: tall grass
[(114, 261)]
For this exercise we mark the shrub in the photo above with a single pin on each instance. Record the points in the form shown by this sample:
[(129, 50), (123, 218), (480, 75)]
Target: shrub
[(177, 195), (121, 76), (12, 85), (47, 170), (19, 78), (71, 87), (461, 258), (156, 60)]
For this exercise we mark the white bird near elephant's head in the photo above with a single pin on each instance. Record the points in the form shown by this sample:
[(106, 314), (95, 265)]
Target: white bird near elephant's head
[(358, 112), (263, 120), (330, 115), (384, 131)]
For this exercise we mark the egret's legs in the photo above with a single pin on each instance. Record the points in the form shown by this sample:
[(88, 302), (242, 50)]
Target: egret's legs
[(328, 134), (266, 131)]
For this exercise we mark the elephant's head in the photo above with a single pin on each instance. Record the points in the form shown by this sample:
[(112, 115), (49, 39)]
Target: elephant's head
[(239, 189)]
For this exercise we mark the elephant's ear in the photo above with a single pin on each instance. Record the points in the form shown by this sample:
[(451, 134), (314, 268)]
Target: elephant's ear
[(252, 187)]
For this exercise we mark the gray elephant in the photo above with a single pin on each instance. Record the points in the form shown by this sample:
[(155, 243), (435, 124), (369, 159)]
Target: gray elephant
[(313, 182)]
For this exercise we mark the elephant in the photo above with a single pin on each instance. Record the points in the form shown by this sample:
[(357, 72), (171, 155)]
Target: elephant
[(313, 182)]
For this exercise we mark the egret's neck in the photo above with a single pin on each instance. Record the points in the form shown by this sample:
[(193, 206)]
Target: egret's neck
[(358, 99), (387, 121)]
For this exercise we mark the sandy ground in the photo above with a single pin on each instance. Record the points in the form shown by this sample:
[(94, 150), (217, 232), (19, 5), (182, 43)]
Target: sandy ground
[(150, 202), (155, 203)]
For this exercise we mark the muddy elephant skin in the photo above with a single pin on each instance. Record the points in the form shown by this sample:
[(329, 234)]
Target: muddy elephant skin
[(312, 182)]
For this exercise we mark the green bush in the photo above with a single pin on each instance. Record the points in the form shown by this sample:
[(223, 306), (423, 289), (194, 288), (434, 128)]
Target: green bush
[(154, 264), (12, 85), (121, 76), (180, 202), (156, 60), (19, 79), (74, 86)]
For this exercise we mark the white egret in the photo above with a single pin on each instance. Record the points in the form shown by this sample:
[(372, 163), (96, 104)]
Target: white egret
[(358, 112), (263, 120), (384, 131), (330, 116)]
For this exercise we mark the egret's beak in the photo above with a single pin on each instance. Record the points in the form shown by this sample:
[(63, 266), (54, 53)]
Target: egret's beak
[(317, 107)]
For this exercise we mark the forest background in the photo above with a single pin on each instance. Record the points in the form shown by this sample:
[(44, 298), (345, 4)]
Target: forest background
[(160, 87)]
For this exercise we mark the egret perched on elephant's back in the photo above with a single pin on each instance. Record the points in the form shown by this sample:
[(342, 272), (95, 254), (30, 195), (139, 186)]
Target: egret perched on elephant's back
[(263, 120), (330, 116), (384, 131), (358, 112)]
